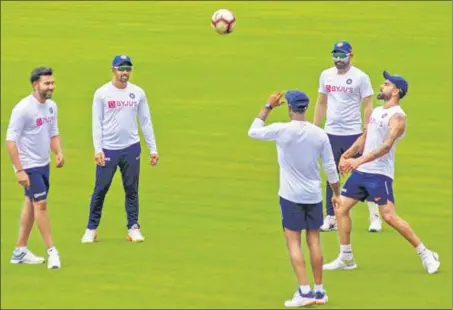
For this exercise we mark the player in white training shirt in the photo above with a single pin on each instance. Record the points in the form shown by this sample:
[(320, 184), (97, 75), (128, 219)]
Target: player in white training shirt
[(343, 89), (373, 173), (32, 133), (299, 146), (116, 107)]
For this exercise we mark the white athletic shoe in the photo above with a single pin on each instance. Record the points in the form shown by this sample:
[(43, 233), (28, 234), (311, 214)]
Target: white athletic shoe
[(431, 262), (340, 264), (89, 236), (25, 257), (375, 224), (321, 298), (301, 300), (330, 223), (54, 260), (134, 234)]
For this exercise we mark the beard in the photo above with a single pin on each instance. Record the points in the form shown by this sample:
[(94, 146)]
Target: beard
[(46, 94), (382, 96), (341, 64)]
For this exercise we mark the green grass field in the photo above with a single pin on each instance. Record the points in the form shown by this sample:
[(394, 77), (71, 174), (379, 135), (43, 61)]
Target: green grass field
[(210, 209)]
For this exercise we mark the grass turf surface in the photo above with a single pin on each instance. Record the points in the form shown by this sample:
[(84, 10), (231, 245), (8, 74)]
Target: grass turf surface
[(210, 211)]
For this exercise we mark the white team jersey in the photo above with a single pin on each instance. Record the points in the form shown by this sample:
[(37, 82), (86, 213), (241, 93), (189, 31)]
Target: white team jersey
[(377, 131), (344, 96), (299, 146), (115, 113), (32, 125)]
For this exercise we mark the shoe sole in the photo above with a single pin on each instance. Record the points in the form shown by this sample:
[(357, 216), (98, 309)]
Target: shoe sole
[(343, 268), (18, 262), (374, 230), (135, 241), (310, 303)]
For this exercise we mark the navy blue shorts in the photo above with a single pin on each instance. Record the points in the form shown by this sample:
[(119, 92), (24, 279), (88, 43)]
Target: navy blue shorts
[(369, 186), (39, 183), (297, 216)]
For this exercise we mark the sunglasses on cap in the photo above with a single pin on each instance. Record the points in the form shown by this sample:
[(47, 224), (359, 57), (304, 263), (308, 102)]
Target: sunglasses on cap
[(340, 55), (124, 68)]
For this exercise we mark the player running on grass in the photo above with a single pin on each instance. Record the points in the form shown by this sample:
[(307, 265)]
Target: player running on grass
[(373, 173), (342, 90), (299, 146), (31, 135), (116, 106)]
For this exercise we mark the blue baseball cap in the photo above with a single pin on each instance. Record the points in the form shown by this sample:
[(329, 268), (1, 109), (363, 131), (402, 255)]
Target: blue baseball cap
[(399, 82), (297, 99), (342, 46), (120, 60)]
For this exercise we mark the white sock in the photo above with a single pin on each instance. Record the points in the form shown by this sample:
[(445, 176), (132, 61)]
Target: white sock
[(374, 209), (318, 288), (421, 249), (51, 250), (21, 249), (305, 289), (345, 252)]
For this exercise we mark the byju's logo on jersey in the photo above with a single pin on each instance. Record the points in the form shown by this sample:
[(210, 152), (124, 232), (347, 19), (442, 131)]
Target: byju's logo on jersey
[(340, 89), (112, 104), (132, 96)]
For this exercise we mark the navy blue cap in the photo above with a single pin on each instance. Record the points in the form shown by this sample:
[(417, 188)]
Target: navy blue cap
[(121, 59), (399, 82), (297, 99), (342, 46)]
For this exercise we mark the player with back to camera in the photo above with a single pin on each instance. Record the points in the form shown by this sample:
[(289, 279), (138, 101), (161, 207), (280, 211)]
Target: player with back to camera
[(299, 146), (116, 106), (373, 173), (342, 90), (32, 133)]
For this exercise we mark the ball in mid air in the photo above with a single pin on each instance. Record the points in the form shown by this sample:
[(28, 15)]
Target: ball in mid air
[(223, 21)]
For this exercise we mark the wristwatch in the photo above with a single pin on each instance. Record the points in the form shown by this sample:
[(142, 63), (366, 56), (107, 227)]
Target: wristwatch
[(268, 106)]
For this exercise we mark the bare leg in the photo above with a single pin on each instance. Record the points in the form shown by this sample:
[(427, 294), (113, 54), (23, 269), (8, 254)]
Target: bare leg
[(293, 243), (316, 259), (43, 222), (389, 214), (344, 219), (27, 219)]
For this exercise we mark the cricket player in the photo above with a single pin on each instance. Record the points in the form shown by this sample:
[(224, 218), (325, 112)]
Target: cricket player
[(116, 106), (342, 90), (32, 133), (373, 173), (299, 146)]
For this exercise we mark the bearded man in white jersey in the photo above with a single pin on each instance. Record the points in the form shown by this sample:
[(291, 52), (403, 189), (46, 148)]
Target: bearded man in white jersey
[(116, 106), (299, 146), (373, 173), (32, 133), (342, 91)]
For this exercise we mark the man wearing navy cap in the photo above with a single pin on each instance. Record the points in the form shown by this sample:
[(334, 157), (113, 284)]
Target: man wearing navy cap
[(116, 140), (342, 90), (299, 146), (373, 173)]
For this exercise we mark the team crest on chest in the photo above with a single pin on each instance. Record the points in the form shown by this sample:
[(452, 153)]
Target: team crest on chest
[(51, 110), (132, 96), (349, 81)]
